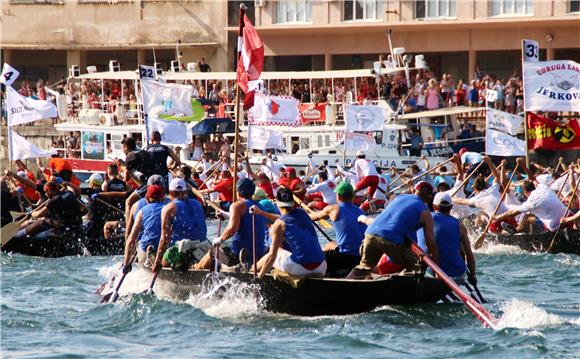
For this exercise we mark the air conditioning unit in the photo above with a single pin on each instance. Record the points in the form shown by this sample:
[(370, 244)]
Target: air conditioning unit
[(74, 71), (174, 66), (420, 62), (158, 68), (106, 119), (114, 66), (89, 117), (91, 69), (191, 66)]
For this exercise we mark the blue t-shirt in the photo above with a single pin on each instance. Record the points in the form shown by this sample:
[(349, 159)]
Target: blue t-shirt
[(399, 220)]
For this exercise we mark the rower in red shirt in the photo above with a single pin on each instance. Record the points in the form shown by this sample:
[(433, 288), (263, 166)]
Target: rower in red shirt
[(224, 186)]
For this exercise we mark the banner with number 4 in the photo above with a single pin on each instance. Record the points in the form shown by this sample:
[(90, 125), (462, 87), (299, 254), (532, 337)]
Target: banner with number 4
[(9, 75)]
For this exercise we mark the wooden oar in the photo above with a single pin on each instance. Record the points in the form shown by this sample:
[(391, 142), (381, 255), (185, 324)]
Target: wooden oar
[(110, 206), (324, 223), (212, 174), (573, 194), (212, 204), (254, 246), (419, 176), (9, 230), (485, 317), (467, 178), (15, 214), (564, 183), (114, 295), (479, 242)]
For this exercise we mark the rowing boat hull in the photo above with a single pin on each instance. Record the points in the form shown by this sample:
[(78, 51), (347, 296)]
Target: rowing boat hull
[(317, 296), (569, 243), (61, 246)]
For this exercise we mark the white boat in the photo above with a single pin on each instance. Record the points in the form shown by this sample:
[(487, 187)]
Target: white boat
[(101, 132)]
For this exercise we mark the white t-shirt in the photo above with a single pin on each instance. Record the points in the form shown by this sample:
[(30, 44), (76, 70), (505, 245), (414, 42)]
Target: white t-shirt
[(459, 211), (544, 178), (326, 189), (487, 200), (364, 167), (349, 176), (563, 181), (471, 158), (380, 193), (544, 204)]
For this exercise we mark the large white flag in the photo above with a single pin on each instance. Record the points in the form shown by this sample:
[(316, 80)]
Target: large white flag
[(359, 141), (364, 118), (263, 139), (552, 86), (9, 75), (25, 109), (503, 121), (274, 111), (21, 149), (161, 98), (500, 144)]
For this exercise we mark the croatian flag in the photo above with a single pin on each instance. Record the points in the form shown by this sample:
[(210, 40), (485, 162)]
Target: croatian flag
[(250, 59)]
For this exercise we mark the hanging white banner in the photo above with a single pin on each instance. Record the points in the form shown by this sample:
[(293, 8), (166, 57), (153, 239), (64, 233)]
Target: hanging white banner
[(9, 75), (359, 141), (500, 144), (22, 109), (490, 95), (274, 111), (21, 149), (166, 99), (263, 139), (172, 132), (364, 118), (503, 121), (552, 86)]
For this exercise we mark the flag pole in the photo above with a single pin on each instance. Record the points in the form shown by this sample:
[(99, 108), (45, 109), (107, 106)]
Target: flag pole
[(524, 103), (237, 104)]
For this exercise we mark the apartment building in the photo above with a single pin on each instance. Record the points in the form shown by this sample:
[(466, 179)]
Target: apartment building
[(457, 36), (45, 37)]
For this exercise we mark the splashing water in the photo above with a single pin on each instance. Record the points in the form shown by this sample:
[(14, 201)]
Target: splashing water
[(227, 297), (526, 315), (492, 248)]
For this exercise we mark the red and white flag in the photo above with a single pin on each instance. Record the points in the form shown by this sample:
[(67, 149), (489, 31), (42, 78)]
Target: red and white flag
[(250, 59), (274, 111)]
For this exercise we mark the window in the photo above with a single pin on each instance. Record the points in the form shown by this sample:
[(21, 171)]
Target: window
[(512, 7), (433, 9), (293, 11), (574, 6), (355, 10)]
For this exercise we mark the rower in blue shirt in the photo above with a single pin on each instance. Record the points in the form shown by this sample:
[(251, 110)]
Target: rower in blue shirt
[(392, 230), (452, 241), (148, 224), (343, 254), (182, 218), (294, 228)]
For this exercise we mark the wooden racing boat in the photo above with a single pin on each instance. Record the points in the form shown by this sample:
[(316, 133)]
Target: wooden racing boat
[(317, 296), (566, 241), (61, 244)]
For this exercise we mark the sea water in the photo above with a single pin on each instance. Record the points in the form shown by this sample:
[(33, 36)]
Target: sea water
[(49, 309)]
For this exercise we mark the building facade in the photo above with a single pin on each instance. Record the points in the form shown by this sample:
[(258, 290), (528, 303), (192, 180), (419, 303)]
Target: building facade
[(456, 36), (45, 37)]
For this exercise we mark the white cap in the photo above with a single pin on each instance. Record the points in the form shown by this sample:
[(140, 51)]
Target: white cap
[(359, 153), (177, 185), (21, 174), (442, 199), (95, 177)]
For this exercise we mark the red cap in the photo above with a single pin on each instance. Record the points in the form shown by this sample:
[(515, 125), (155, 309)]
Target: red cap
[(463, 150), (155, 192), (291, 170), (424, 187)]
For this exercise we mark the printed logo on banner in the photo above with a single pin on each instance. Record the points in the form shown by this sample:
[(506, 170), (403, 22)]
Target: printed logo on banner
[(552, 86)]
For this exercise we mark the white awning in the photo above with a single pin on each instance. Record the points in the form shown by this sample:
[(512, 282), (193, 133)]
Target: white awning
[(447, 111)]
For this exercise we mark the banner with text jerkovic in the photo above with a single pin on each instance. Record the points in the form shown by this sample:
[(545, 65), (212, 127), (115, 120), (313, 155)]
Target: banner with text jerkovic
[(552, 86)]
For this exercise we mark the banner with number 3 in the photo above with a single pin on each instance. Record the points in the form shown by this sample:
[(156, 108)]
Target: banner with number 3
[(531, 50), (9, 75)]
